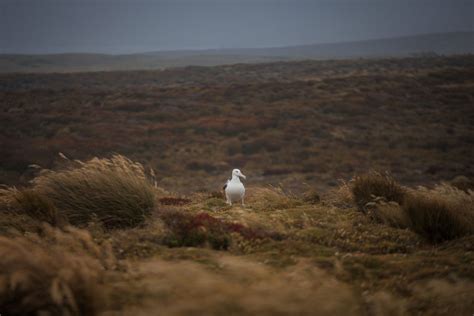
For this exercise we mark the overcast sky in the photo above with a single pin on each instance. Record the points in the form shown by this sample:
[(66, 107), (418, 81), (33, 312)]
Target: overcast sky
[(125, 26)]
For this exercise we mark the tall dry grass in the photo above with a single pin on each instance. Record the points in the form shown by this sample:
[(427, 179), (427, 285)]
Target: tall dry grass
[(442, 213), (114, 191), (390, 213), (37, 206), (241, 287), (368, 187), (59, 273), (22, 211)]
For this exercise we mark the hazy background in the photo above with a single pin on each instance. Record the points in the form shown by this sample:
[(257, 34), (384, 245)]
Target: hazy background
[(126, 26)]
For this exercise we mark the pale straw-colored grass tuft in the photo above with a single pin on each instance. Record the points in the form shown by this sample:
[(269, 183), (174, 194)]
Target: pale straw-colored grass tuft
[(116, 191)]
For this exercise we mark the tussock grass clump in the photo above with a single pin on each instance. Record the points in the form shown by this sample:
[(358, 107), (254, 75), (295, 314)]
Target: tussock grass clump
[(22, 211), (369, 187), (312, 197), (462, 183), (340, 196), (440, 214), (390, 213), (58, 275), (115, 191), (37, 206)]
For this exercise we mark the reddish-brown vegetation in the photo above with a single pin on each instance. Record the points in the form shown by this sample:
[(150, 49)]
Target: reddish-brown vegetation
[(189, 229), (301, 125), (308, 121)]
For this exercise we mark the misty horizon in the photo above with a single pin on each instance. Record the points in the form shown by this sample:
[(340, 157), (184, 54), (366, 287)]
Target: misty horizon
[(124, 27)]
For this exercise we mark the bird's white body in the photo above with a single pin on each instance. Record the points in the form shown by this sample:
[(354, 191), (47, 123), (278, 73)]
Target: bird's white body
[(234, 189)]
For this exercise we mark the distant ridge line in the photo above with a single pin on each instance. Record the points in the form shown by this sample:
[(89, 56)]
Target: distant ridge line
[(452, 43)]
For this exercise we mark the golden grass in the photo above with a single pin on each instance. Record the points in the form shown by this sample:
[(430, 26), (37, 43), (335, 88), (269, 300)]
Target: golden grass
[(59, 273), (390, 213), (330, 260), (442, 213), (270, 198), (368, 187), (115, 191), (21, 212), (281, 254), (37, 206), (241, 287), (443, 297)]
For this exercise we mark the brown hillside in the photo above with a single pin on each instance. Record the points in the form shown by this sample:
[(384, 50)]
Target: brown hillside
[(298, 122)]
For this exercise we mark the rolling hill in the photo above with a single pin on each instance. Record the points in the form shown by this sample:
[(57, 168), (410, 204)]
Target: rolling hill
[(426, 45)]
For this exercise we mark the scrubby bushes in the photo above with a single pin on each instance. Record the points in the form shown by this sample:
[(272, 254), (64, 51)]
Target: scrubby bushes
[(114, 191), (192, 230), (57, 274), (439, 214), (195, 230)]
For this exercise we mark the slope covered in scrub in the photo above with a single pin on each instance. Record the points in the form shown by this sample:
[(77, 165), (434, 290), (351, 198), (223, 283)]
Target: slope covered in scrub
[(299, 122)]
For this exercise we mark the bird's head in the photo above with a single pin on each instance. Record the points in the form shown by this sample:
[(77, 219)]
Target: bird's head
[(237, 173)]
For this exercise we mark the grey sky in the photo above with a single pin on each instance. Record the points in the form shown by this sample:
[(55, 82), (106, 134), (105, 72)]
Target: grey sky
[(125, 26)]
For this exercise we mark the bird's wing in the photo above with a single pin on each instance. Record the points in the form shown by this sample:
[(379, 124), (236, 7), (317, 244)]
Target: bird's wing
[(225, 185)]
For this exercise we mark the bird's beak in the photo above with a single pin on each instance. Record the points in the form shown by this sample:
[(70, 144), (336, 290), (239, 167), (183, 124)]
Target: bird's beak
[(242, 176)]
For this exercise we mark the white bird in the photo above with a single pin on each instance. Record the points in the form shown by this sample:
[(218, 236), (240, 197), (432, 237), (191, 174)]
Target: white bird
[(234, 189)]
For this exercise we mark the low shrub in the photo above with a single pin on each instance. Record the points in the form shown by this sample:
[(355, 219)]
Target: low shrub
[(366, 188), (114, 191), (193, 230)]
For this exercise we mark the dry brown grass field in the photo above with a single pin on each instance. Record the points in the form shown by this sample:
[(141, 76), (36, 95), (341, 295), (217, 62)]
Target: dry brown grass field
[(144, 229)]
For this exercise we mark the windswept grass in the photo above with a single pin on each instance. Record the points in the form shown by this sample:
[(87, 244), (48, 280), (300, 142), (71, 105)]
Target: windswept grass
[(390, 213), (115, 191), (281, 254), (440, 214), (37, 206), (369, 187), (241, 287), (59, 273)]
